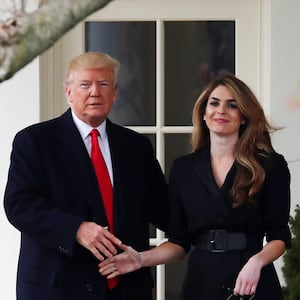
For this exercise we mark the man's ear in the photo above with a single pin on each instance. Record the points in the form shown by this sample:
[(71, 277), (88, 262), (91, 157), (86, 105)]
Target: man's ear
[(68, 93), (116, 90)]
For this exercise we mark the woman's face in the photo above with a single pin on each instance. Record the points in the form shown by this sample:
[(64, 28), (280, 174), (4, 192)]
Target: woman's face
[(222, 115)]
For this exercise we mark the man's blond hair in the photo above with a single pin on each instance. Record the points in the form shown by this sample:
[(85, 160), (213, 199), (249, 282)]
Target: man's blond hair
[(93, 60)]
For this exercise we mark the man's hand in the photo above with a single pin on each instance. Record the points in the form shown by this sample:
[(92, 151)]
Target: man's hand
[(97, 239)]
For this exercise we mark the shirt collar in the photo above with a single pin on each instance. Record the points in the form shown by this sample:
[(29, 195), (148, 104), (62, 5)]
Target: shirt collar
[(85, 129)]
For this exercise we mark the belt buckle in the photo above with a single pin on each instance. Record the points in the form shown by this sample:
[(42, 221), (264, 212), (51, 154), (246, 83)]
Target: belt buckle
[(218, 240)]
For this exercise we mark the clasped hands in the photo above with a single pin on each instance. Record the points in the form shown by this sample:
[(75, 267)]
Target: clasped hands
[(97, 239), (103, 245)]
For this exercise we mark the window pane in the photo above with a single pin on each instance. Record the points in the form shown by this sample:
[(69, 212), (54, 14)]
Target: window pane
[(134, 45), (195, 52), (176, 144), (152, 231)]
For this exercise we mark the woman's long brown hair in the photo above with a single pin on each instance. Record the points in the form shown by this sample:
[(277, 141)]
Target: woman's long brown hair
[(254, 137)]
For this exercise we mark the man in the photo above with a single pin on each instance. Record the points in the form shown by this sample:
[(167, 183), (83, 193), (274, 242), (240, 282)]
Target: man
[(54, 199)]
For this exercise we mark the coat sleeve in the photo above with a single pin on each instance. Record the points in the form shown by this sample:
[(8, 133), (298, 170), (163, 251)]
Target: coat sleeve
[(276, 199), (27, 203)]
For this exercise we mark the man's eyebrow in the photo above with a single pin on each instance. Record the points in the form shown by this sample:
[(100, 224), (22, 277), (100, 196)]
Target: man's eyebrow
[(85, 80)]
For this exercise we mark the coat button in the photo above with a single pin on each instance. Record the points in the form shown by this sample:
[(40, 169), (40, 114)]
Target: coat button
[(89, 287)]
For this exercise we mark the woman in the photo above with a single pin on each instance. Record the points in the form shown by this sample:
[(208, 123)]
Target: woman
[(230, 202)]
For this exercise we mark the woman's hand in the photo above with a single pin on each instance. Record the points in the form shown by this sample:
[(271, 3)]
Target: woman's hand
[(247, 280), (248, 277), (125, 262)]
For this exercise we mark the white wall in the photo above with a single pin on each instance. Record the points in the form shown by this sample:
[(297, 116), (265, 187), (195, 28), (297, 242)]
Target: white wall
[(285, 84), (19, 107), (285, 87)]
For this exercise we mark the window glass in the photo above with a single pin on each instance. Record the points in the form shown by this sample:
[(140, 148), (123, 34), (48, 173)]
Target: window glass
[(134, 45), (176, 144), (195, 52)]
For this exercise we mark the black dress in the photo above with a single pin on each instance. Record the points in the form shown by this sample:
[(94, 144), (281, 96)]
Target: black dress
[(199, 205)]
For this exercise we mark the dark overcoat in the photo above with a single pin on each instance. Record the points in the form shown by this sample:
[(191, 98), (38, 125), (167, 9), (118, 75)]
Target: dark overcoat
[(52, 188)]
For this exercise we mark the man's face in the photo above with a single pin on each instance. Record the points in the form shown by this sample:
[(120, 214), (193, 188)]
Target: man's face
[(91, 94)]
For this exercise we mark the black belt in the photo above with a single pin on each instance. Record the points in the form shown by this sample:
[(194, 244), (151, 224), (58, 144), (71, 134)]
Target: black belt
[(219, 240)]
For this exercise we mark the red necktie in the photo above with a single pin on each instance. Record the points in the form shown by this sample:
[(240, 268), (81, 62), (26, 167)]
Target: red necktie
[(105, 187)]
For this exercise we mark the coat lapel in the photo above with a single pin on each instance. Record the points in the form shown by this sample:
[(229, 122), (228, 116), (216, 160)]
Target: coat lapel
[(204, 170), (76, 160), (118, 156)]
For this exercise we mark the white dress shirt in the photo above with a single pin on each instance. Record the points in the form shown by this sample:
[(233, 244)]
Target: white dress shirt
[(84, 130)]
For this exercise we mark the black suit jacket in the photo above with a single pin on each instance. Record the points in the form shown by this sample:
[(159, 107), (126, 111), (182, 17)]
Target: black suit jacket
[(52, 188)]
